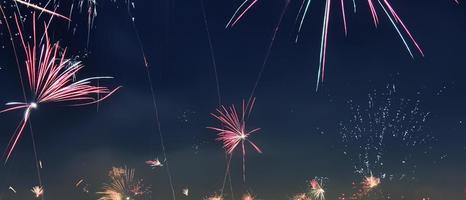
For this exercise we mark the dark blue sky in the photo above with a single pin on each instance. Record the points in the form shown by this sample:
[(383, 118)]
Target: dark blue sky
[(300, 133)]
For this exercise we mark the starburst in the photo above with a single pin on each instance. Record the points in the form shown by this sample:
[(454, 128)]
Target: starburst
[(371, 182), (233, 131), (123, 186), (51, 77)]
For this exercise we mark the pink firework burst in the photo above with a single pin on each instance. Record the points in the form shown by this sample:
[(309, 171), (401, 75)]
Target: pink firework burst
[(314, 184), (233, 131), (51, 77)]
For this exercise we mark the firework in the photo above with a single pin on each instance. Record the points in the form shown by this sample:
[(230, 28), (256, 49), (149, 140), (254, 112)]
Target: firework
[(386, 117), (374, 6), (38, 191), (154, 163), (371, 182), (185, 191), (50, 76), (367, 189), (317, 192), (123, 185), (233, 131)]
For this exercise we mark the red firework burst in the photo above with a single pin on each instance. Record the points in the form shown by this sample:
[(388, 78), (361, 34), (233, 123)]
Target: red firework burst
[(51, 77), (233, 131)]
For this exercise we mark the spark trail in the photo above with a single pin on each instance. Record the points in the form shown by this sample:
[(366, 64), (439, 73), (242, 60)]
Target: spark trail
[(34, 6), (219, 94), (154, 100), (374, 6)]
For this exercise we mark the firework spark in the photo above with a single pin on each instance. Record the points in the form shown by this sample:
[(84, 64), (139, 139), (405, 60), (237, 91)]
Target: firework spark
[(248, 196), (387, 117), (214, 197), (300, 197), (123, 185), (12, 189), (81, 184), (374, 6), (154, 163), (318, 194), (34, 6), (239, 14), (38, 191), (233, 131), (91, 14), (185, 191), (50, 75)]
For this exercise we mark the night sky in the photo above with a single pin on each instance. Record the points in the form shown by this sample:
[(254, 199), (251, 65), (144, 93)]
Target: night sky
[(300, 133)]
